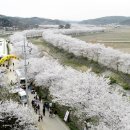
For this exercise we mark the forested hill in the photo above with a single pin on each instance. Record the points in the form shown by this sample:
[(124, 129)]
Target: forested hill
[(108, 20), (7, 21)]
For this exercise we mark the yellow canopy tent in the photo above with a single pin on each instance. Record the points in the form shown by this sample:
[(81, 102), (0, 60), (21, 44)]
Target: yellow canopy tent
[(6, 58)]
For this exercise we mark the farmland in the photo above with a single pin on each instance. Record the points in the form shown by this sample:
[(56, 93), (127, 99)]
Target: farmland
[(60, 64), (118, 38)]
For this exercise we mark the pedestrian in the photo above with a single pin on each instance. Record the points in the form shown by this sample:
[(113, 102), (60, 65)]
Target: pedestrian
[(32, 103), (13, 63), (32, 91), (47, 106), (36, 97), (44, 105), (40, 98), (50, 113), (35, 106), (41, 117), (55, 112), (38, 108), (50, 105), (44, 111)]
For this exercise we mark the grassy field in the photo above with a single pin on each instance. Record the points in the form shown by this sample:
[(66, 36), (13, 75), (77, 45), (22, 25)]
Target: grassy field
[(118, 38)]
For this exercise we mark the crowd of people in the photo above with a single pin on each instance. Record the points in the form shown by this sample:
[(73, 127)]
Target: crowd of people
[(41, 110)]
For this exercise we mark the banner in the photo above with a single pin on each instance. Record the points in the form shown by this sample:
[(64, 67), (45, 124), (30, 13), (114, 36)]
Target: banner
[(66, 116)]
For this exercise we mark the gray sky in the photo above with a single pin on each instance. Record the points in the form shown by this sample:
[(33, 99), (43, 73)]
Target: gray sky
[(65, 9)]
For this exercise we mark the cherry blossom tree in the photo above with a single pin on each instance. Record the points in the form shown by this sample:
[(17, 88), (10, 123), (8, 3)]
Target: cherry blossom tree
[(16, 117), (104, 55), (89, 94)]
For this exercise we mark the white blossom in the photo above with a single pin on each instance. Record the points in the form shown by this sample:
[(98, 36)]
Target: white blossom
[(88, 93), (21, 117)]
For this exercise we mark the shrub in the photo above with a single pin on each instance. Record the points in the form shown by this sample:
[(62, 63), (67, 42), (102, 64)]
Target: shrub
[(126, 86), (112, 80)]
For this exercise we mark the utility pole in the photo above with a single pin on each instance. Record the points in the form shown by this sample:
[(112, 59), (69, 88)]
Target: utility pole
[(25, 70)]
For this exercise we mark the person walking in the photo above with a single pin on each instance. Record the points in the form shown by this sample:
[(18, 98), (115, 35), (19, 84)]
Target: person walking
[(11, 82), (40, 98), (32, 103), (36, 97), (47, 105), (50, 105), (38, 108), (44, 111), (51, 113), (41, 118)]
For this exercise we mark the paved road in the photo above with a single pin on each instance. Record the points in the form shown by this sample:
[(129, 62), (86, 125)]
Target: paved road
[(47, 123)]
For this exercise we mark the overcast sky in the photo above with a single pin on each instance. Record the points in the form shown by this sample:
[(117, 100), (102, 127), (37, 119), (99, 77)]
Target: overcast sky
[(65, 9)]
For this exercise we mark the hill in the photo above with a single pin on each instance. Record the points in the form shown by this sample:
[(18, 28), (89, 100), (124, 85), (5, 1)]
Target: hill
[(7, 21), (108, 20), (125, 22)]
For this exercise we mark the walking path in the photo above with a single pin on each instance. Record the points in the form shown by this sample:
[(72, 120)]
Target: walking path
[(48, 123)]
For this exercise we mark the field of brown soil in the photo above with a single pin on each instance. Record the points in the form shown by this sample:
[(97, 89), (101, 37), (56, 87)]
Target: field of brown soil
[(118, 38)]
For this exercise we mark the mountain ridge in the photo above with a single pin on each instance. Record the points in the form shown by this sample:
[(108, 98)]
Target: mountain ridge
[(8, 21), (122, 20)]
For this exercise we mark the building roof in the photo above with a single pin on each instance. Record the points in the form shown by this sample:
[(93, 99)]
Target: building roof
[(3, 47)]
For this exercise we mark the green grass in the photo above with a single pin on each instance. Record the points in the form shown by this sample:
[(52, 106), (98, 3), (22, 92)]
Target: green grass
[(121, 79), (112, 80)]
